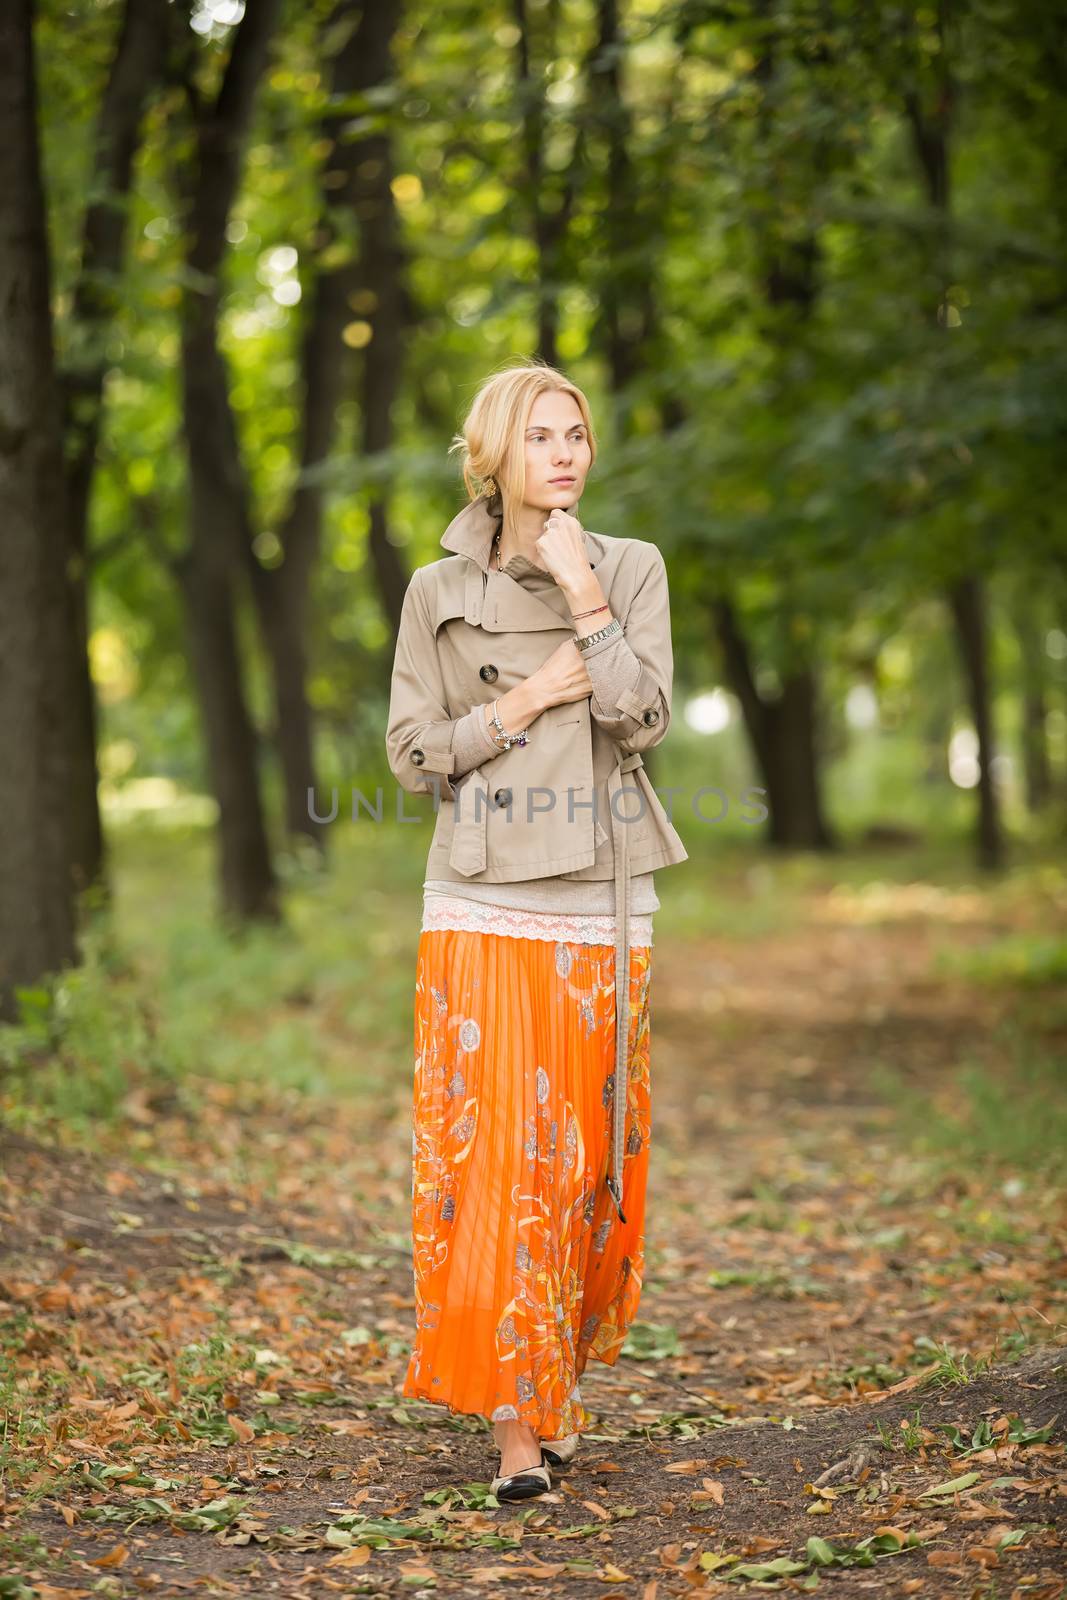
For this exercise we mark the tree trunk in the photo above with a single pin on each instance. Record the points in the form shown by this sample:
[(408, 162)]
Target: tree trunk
[(784, 732), (930, 128), (1037, 766), (783, 739), (357, 182), (281, 591), (550, 200), (37, 911), (966, 598), (381, 263), (629, 310), (220, 519), (135, 68)]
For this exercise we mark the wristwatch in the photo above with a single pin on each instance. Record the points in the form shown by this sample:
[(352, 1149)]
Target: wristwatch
[(613, 627)]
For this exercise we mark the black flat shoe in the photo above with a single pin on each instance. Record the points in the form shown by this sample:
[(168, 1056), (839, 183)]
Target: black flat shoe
[(524, 1485)]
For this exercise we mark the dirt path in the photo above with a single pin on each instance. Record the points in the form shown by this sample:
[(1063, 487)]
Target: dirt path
[(219, 1354)]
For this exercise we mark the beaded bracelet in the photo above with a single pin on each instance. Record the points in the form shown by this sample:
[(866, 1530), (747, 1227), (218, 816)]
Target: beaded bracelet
[(502, 740)]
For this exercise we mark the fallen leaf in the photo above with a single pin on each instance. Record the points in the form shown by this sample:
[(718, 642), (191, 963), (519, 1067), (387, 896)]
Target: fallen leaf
[(984, 1555), (114, 1558), (944, 1558), (953, 1486)]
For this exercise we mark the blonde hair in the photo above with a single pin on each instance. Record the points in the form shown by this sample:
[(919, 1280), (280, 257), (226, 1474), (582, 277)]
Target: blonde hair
[(492, 437)]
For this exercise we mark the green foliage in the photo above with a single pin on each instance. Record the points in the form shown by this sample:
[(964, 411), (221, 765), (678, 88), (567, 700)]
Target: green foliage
[(840, 398), (313, 1006), (1010, 1111), (817, 1553)]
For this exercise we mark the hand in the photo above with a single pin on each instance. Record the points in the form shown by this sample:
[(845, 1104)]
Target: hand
[(562, 677), (561, 550)]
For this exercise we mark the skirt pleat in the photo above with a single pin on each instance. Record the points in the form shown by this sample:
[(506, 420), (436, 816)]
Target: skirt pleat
[(522, 1268)]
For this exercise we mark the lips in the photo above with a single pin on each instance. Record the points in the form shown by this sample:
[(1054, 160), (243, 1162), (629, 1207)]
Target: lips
[(561, 480)]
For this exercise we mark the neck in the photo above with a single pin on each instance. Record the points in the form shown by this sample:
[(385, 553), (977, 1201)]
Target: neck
[(521, 538)]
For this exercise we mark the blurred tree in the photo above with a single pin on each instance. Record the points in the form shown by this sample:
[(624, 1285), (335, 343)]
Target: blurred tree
[(220, 520), (548, 194), (717, 219), (1027, 612), (929, 92), (135, 73), (37, 633), (382, 298), (784, 726), (357, 304)]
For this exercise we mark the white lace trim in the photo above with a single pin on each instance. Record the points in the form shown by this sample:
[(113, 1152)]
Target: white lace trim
[(443, 911)]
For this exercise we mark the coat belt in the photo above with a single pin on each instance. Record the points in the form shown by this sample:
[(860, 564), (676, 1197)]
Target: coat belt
[(620, 829)]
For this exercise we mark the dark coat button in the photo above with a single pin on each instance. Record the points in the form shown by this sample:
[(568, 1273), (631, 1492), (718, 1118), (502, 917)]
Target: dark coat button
[(502, 797), (488, 672), (418, 756), (649, 717)]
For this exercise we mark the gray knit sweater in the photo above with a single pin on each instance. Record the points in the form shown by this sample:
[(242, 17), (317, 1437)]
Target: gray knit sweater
[(612, 667)]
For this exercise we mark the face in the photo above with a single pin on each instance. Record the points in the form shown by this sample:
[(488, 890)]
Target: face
[(557, 450)]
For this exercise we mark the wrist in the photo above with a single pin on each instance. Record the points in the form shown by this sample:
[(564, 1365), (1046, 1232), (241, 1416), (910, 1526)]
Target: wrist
[(523, 704), (588, 621), (585, 594), (516, 709)]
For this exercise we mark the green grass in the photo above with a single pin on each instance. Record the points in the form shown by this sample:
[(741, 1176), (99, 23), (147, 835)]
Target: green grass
[(1014, 1116), (320, 1005), (1034, 960)]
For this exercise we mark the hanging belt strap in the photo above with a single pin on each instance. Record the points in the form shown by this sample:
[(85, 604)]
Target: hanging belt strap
[(620, 829)]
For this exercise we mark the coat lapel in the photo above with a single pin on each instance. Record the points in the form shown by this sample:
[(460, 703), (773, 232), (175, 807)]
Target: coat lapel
[(511, 608), (505, 606)]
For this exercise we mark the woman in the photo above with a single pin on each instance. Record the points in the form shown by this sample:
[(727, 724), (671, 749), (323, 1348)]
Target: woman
[(533, 664)]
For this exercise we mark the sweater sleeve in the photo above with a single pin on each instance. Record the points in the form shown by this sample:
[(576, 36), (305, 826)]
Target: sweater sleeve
[(633, 706), (613, 668), (471, 741)]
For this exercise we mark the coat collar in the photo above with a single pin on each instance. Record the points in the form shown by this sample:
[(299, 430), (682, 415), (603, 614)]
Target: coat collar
[(470, 533)]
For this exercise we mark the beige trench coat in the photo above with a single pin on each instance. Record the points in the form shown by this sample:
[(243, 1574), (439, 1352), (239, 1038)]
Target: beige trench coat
[(557, 805)]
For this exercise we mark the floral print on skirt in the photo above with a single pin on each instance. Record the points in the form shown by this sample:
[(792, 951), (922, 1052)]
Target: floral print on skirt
[(522, 1268)]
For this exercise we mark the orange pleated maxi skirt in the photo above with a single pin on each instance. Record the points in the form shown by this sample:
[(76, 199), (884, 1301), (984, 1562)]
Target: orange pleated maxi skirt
[(522, 1267)]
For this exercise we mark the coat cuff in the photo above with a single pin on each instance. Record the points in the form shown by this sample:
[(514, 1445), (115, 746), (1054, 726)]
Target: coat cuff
[(640, 712), (644, 696), (433, 764)]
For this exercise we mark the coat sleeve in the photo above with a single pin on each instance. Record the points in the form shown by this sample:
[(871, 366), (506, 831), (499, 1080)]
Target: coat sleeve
[(638, 715), (426, 748)]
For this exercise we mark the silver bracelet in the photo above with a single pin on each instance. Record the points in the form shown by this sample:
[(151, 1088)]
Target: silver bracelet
[(502, 740), (613, 627)]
